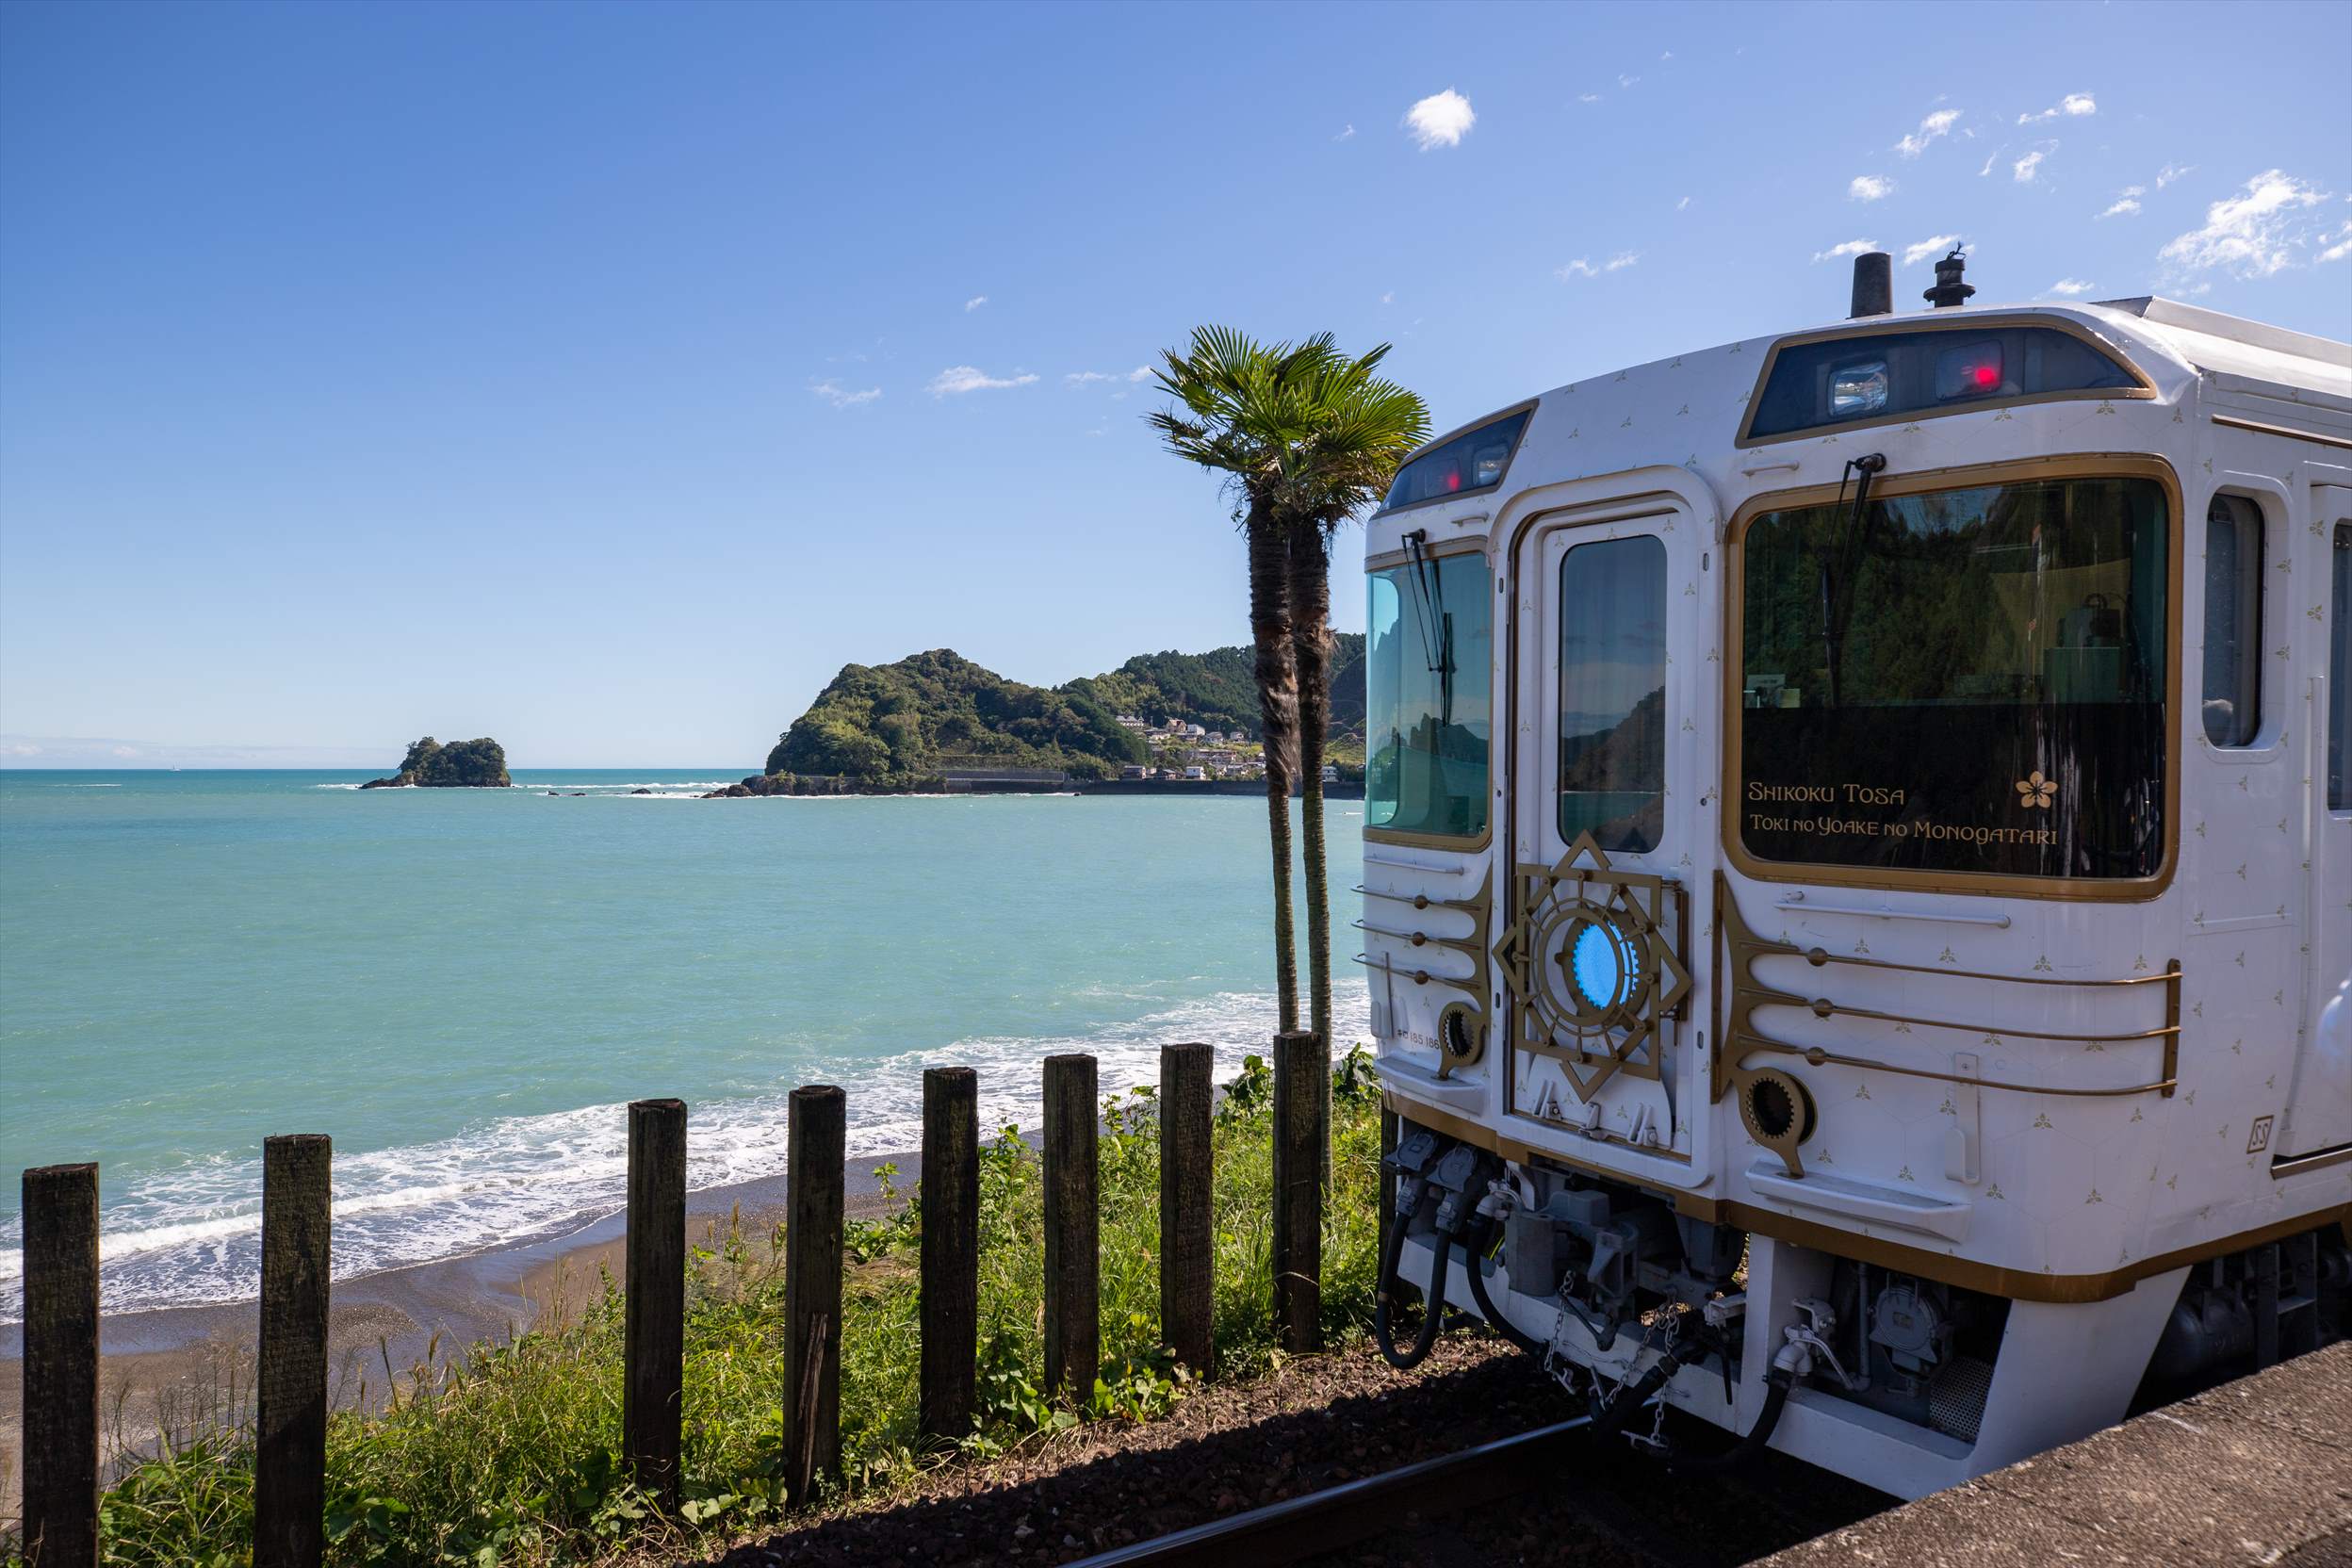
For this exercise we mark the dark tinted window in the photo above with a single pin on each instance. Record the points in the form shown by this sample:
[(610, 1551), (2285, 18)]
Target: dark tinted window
[(1969, 680), (1877, 375), (2234, 621), (1612, 693), (1472, 461)]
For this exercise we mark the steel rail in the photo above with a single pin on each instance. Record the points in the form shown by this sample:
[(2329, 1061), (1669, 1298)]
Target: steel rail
[(1316, 1522)]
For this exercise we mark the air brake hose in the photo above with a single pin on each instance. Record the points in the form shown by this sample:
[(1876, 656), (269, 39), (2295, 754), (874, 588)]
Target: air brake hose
[(1432, 1303), (1776, 1386), (1496, 1320)]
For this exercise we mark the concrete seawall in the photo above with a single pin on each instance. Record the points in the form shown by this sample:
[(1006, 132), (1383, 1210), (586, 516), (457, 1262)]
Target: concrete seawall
[(2256, 1471)]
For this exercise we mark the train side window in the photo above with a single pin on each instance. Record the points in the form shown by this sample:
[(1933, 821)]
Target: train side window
[(1612, 693), (2234, 621), (2340, 674)]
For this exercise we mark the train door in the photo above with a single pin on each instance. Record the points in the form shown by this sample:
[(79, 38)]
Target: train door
[(2319, 1113), (1609, 666)]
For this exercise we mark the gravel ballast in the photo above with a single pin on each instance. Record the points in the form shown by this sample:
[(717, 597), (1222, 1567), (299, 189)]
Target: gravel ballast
[(1314, 1422)]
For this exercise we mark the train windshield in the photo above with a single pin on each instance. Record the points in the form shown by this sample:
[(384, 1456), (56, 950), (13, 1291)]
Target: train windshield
[(1429, 662), (1967, 680)]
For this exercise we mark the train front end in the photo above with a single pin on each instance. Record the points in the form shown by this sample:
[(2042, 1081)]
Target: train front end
[(1851, 880)]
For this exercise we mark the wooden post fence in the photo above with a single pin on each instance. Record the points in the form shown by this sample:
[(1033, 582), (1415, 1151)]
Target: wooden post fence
[(653, 1344), (951, 1250), (1074, 1329), (1187, 1205), (290, 1442), (817, 1128), (1302, 1073), (60, 1366)]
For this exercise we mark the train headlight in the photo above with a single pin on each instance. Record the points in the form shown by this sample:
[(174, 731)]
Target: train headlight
[(1857, 389)]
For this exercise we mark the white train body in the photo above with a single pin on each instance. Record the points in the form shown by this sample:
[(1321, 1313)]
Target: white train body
[(1935, 903)]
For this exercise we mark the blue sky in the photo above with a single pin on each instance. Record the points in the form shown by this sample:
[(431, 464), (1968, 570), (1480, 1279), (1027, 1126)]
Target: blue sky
[(604, 377)]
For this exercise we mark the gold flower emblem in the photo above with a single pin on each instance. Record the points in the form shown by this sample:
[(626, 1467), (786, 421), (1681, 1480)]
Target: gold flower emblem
[(2036, 792)]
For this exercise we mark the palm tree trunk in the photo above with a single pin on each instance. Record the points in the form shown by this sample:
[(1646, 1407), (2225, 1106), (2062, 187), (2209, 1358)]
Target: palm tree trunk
[(1277, 674), (1309, 565)]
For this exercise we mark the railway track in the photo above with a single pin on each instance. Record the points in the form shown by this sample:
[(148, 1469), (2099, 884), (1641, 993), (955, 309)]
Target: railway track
[(1320, 1522)]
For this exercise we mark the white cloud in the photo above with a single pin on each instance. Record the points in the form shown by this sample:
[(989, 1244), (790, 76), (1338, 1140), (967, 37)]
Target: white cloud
[(1869, 187), (1582, 268), (1587, 97), (958, 379), (1990, 158), (1348, 131), (1086, 378), (1846, 248), (2072, 105), (1938, 124), (1667, 56), (2127, 202), (1623, 80), (2069, 287), (1931, 246), (2253, 234), (974, 302), (2339, 244), (842, 397), (1441, 119), (2172, 172), (125, 751), (2022, 171), (1683, 204), (1389, 298)]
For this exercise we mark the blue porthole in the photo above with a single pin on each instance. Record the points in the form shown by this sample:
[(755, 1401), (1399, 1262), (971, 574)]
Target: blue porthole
[(1602, 967)]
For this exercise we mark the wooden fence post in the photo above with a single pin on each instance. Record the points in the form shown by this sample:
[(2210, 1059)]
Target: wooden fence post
[(951, 1250), (653, 1343), (817, 1127), (1302, 1073), (290, 1445), (1187, 1205), (60, 1366), (1073, 1263)]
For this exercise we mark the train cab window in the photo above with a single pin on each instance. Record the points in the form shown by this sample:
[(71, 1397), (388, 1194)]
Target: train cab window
[(1958, 681), (1612, 693), (2340, 672), (1429, 677), (2234, 621)]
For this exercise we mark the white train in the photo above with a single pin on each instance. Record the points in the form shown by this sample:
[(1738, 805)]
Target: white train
[(1858, 872)]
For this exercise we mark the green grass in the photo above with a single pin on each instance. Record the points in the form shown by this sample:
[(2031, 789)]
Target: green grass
[(508, 1454)]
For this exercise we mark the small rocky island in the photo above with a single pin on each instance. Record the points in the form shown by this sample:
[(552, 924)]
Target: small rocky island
[(460, 765)]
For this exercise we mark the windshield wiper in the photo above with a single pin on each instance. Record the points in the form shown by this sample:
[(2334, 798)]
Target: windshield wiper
[(1435, 625), (1849, 550)]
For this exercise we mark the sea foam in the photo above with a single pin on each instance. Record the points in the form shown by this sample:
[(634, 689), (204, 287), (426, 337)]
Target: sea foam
[(192, 1235)]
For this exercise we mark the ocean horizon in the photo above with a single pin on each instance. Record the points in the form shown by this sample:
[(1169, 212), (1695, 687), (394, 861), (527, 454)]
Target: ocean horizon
[(463, 987)]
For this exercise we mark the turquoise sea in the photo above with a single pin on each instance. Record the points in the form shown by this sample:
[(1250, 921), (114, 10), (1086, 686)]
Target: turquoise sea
[(465, 987)]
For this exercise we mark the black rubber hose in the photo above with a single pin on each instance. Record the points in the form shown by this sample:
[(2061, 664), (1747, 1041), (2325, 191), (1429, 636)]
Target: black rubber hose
[(1433, 1305), (1495, 1319), (1775, 1398)]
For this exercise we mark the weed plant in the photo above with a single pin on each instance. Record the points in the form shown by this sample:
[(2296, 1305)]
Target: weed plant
[(509, 1453)]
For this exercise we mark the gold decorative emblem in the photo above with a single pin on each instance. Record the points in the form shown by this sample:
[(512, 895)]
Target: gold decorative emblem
[(1590, 966), (2036, 792)]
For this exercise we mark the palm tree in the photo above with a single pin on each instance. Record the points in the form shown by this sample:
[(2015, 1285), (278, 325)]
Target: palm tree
[(1307, 436)]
